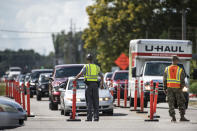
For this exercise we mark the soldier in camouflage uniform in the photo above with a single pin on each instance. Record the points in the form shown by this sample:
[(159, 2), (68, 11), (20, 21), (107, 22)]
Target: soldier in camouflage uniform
[(173, 88)]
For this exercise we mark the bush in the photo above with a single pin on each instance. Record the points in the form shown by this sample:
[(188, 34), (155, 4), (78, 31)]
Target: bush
[(193, 88), (2, 89)]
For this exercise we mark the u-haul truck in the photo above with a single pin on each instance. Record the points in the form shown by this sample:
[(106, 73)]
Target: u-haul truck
[(148, 59)]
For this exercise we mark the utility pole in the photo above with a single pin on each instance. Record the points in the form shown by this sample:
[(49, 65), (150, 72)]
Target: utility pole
[(183, 24)]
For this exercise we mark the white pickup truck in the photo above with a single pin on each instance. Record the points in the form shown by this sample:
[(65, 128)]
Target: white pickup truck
[(148, 59)]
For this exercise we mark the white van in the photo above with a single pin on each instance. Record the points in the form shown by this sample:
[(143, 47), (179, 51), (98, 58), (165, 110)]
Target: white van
[(148, 59), (14, 71)]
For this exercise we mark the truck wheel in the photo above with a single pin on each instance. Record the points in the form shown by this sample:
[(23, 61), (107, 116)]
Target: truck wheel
[(39, 97), (109, 112)]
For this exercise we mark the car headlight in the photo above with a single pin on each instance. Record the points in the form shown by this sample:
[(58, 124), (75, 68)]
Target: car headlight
[(104, 99), (71, 99), (7, 108), (185, 89), (115, 84), (147, 87), (33, 84)]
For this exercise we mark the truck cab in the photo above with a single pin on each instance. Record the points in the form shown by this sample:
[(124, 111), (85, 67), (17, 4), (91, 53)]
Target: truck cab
[(148, 60)]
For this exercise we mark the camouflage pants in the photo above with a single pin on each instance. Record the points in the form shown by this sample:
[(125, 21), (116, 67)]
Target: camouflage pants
[(176, 95)]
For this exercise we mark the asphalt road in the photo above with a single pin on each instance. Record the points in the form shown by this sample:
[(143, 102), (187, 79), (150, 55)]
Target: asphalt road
[(123, 119)]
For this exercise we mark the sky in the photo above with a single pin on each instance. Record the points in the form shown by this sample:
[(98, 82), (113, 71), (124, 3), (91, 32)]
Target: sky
[(34, 16)]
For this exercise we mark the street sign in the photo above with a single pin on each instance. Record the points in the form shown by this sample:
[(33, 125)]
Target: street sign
[(122, 61)]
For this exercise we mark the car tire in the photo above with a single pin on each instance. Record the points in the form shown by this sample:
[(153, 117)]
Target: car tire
[(66, 113), (131, 102), (145, 103), (31, 94), (109, 112), (53, 106), (38, 97), (21, 122), (62, 112)]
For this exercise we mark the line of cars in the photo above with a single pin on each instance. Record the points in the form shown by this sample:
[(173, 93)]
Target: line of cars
[(57, 85)]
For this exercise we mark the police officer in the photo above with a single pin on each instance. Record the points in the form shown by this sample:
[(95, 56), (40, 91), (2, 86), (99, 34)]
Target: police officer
[(174, 82), (91, 72)]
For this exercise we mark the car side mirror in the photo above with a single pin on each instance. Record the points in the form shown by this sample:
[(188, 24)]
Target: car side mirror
[(134, 72), (51, 79)]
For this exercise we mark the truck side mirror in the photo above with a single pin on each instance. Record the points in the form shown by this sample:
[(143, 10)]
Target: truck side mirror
[(134, 72), (194, 74)]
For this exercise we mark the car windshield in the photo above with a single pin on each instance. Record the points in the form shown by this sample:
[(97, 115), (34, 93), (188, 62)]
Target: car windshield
[(22, 78), (67, 71), (157, 69), (15, 70), (109, 75), (80, 84), (43, 79), (27, 77), (35, 75), (121, 76)]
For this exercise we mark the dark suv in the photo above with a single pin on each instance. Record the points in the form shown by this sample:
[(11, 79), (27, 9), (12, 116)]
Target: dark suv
[(34, 79), (60, 77), (42, 89)]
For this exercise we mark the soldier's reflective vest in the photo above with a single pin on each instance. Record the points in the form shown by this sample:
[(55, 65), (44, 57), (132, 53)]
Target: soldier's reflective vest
[(173, 76), (92, 72)]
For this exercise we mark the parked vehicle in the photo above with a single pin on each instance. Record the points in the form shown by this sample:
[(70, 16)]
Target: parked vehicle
[(11, 113), (42, 89), (105, 98), (34, 79), (148, 60), (60, 75), (121, 75), (27, 79), (107, 78)]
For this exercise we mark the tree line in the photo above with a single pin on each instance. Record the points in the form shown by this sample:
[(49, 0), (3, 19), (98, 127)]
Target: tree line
[(26, 59)]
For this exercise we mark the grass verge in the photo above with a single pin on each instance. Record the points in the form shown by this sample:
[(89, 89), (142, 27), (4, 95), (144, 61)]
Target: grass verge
[(2, 89)]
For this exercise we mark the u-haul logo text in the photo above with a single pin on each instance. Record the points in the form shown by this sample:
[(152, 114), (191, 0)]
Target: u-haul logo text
[(158, 48)]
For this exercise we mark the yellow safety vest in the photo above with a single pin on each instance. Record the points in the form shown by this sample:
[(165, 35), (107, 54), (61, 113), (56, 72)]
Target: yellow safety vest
[(92, 72), (173, 76)]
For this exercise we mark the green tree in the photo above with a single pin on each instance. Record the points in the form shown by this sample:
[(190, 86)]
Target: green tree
[(113, 23)]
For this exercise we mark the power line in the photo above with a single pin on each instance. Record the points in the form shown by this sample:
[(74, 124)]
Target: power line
[(30, 32)]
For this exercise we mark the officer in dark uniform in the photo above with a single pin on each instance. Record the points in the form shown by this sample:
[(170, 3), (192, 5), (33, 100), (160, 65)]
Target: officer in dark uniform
[(174, 81), (91, 72)]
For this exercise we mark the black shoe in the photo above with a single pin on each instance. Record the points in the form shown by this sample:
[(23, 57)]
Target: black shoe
[(173, 119), (88, 120), (96, 119), (184, 119)]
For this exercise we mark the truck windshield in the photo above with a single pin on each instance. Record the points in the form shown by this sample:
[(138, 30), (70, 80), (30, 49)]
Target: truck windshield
[(157, 69)]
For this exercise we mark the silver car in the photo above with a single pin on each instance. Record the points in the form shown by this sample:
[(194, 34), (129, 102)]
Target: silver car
[(11, 113), (105, 98)]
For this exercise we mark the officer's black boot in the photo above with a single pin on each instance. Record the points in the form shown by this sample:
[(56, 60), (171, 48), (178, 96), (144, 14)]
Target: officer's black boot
[(184, 119), (173, 119)]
